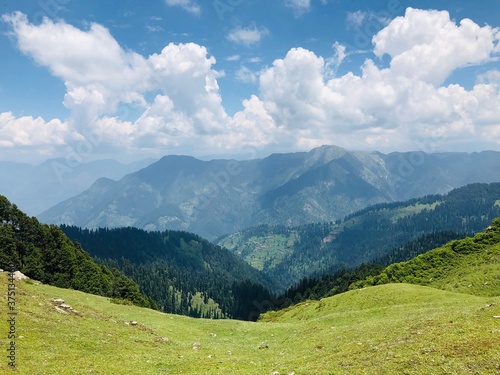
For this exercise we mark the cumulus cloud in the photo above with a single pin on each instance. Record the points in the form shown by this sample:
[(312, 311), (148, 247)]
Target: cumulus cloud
[(188, 5), (393, 105), (429, 45), (301, 102), (248, 36)]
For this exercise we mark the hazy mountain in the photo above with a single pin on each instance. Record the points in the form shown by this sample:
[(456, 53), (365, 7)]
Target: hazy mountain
[(212, 198), (36, 188)]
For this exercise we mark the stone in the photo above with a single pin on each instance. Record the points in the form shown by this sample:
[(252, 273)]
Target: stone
[(59, 310), (18, 276)]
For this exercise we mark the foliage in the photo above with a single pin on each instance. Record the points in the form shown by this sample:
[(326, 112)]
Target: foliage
[(373, 234), (44, 253), (471, 265), (183, 273)]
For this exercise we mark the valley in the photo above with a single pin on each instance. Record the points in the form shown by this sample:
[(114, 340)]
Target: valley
[(436, 312)]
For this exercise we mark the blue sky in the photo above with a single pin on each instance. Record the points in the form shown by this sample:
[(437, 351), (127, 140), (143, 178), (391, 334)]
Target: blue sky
[(130, 79)]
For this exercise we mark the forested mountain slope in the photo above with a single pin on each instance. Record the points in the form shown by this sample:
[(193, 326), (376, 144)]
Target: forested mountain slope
[(471, 265), (45, 254), (182, 272), (290, 254)]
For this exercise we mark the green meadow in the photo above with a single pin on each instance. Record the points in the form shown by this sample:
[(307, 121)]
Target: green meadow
[(385, 329)]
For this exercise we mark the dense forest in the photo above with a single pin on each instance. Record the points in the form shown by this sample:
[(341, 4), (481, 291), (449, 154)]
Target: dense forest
[(470, 265), (44, 253), (182, 272), (371, 235), (339, 281)]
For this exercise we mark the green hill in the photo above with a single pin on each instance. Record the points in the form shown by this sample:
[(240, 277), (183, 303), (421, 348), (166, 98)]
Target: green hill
[(44, 253), (388, 329), (471, 265)]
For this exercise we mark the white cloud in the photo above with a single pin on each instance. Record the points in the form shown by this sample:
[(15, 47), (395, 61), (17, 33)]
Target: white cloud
[(254, 60), (357, 19), (188, 5), (247, 35), (233, 58), (333, 63), (491, 76), (299, 6), (428, 45), (394, 105), (246, 75), (300, 103)]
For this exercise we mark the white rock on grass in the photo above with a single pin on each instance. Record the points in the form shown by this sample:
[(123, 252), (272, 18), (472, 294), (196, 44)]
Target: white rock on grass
[(18, 276)]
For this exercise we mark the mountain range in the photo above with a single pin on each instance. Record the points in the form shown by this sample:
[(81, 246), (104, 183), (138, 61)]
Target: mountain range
[(217, 197)]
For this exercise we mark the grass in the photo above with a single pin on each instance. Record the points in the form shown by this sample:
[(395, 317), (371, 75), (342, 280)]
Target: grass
[(261, 251), (387, 329)]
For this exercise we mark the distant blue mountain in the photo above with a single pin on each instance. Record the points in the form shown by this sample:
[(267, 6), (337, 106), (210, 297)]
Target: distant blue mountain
[(36, 188), (216, 197)]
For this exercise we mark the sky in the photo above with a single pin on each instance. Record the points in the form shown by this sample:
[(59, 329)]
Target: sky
[(87, 80)]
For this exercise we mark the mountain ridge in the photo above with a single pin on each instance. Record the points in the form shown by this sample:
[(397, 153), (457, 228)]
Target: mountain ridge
[(216, 197)]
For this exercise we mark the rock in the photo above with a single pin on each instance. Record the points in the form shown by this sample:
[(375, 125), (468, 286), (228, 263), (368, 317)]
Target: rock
[(496, 317), (133, 323), (275, 373), (57, 301), (59, 310), (18, 276), (162, 339), (65, 306), (213, 334), (196, 346)]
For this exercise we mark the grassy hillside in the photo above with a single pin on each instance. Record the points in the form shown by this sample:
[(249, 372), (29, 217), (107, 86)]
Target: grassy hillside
[(471, 265), (389, 329)]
